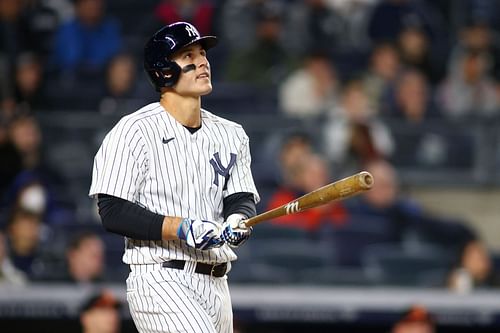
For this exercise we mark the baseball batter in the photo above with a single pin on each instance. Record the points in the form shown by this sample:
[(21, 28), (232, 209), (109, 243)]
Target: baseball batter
[(175, 180)]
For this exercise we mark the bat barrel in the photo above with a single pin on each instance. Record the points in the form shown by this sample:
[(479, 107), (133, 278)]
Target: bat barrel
[(339, 190)]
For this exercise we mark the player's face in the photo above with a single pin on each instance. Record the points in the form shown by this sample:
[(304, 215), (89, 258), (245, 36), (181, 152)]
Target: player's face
[(197, 81)]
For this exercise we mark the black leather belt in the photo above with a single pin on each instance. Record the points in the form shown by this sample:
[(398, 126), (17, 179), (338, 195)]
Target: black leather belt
[(207, 269)]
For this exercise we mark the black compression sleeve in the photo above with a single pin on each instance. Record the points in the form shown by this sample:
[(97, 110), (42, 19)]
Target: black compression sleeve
[(128, 219), (241, 202)]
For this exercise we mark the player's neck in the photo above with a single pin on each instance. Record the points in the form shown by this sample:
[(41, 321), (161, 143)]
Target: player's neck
[(186, 110)]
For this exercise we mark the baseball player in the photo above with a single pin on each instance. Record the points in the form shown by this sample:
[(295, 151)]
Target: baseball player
[(175, 180)]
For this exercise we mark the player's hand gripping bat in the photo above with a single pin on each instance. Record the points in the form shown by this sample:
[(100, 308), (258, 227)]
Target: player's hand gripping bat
[(338, 190)]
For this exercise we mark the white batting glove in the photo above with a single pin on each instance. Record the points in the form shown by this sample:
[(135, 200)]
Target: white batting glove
[(235, 232), (200, 234)]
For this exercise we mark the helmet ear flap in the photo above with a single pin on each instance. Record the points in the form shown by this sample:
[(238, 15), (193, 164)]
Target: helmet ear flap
[(166, 76)]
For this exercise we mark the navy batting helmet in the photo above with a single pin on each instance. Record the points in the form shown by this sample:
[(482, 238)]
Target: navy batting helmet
[(163, 72)]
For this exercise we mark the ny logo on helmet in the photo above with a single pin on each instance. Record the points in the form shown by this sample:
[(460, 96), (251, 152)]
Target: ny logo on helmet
[(192, 32), (220, 170)]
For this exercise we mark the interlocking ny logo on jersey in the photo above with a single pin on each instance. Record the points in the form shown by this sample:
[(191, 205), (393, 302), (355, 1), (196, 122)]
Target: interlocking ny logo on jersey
[(219, 169)]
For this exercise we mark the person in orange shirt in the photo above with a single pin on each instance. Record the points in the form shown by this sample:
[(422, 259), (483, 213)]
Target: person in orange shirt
[(304, 171), (417, 319)]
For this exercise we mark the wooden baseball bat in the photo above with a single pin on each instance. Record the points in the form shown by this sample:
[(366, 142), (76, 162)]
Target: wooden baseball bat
[(341, 189)]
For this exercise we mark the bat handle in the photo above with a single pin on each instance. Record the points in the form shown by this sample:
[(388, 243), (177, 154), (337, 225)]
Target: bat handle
[(249, 223)]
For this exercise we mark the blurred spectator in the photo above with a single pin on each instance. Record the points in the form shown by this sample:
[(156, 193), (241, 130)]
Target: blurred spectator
[(124, 89), (120, 77), (379, 79), (100, 313), (310, 90), (29, 92), (304, 171), (420, 29), (38, 192), (402, 216), (239, 20), (475, 269), (279, 151), (197, 12), (30, 195), (419, 145), (353, 135), (85, 44), (26, 136), (482, 10), (477, 34), (312, 23), (390, 16), (24, 234), (415, 52), (292, 147), (266, 62), (16, 38), (43, 20), (63, 8), (413, 100), (416, 320), (85, 258), (8, 273), (120, 83), (468, 90), (354, 16)]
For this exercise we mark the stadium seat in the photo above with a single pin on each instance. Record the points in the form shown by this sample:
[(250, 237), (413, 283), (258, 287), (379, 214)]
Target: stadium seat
[(271, 232), (259, 273), (292, 256), (350, 240), (392, 265), (433, 146), (334, 276)]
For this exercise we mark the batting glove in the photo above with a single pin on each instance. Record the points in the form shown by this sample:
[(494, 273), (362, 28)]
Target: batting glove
[(200, 234), (235, 232)]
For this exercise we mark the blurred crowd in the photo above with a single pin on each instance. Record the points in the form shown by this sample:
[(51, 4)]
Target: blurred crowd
[(352, 66)]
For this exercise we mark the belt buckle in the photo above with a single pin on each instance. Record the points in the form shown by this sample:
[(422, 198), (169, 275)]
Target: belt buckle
[(212, 270)]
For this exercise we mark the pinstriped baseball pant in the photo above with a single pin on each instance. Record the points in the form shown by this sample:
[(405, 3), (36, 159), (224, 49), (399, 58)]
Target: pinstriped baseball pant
[(169, 300)]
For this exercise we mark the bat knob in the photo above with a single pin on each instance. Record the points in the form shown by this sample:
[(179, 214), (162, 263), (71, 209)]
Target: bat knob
[(366, 180)]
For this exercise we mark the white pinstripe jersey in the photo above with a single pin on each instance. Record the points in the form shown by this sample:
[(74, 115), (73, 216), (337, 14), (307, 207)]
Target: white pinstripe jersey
[(152, 160)]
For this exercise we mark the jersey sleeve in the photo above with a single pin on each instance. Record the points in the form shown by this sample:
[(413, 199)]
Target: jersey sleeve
[(241, 179), (120, 164)]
